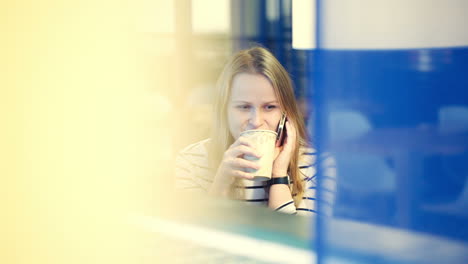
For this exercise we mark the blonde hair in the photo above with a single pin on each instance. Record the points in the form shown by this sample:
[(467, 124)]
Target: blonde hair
[(257, 60)]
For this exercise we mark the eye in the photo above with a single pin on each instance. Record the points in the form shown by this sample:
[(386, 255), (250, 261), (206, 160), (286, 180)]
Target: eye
[(243, 107), (270, 107)]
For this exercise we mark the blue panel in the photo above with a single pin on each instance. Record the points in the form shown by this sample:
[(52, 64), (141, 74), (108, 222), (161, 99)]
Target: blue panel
[(396, 122)]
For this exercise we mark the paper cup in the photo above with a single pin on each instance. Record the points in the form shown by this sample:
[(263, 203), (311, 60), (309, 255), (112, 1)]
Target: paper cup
[(264, 142)]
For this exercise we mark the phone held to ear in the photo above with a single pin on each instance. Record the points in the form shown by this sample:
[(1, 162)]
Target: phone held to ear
[(281, 130)]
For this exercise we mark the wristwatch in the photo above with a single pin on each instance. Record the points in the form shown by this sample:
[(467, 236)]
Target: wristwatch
[(280, 180)]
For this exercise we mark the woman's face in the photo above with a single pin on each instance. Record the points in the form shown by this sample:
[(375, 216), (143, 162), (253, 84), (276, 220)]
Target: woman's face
[(252, 104)]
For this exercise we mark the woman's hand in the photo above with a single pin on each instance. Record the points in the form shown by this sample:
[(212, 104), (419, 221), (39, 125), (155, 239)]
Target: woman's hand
[(233, 165), (285, 152)]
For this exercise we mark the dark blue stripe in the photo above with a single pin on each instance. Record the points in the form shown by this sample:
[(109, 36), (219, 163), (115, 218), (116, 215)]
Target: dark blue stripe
[(309, 198), (308, 179), (305, 179), (250, 187), (286, 204), (305, 209), (255, 200), (309, 153)]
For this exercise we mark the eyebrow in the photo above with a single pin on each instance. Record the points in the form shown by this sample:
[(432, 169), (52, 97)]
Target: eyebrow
[(240, 101)]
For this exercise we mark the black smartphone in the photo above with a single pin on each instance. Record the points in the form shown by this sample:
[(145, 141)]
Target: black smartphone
[(281, 131)]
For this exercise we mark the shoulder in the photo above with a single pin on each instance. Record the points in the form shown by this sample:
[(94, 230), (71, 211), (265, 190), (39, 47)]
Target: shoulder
[(195, 154), (198, 148), (192, 170)]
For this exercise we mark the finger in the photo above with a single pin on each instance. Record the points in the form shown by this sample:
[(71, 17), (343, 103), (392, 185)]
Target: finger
[(291, 136), (245, 150), (244, 141), (243, 174), (292, 129), (245, 164), (238, 148)]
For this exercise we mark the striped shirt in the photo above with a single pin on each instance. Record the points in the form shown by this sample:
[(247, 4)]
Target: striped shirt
[(194, 174)]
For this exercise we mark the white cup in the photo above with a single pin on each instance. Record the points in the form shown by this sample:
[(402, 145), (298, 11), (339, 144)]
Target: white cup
[(263, 141)]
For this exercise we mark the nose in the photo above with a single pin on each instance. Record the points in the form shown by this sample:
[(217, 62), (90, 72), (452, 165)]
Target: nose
[(256, 120)]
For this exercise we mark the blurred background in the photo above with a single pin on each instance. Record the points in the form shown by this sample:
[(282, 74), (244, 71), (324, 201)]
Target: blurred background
[(381, 83), (98, 98)]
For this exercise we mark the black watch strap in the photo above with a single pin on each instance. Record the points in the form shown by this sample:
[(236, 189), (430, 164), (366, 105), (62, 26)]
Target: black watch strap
[(281, 180)]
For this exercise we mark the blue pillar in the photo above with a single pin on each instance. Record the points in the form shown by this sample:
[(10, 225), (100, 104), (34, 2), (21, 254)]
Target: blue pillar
[(391, 102)]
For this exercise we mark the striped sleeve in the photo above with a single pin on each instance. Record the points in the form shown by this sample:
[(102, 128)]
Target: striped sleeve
[(287, 208), (308, 166), (307, 173), (308, 205), (254, 192)]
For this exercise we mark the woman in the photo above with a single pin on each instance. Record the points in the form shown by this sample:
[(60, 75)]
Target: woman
[(253, 92)]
